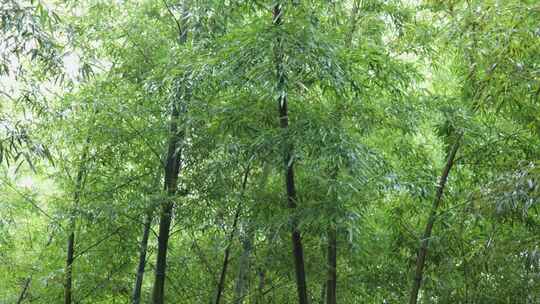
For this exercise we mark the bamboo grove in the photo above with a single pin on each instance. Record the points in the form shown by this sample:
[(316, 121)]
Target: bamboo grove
[(287, 151)]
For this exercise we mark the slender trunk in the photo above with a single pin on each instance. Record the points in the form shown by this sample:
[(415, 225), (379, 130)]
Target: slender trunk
[(222, 277), (172, 170), (323, 293), (69, 268), (28, 280), (330, 286), (331, 248), (288, 160), (244, 266), (136, 298), (223, 274), (259, 295), (423, 250), (68, 293), (331, 263), (24, 290), (243, 269)]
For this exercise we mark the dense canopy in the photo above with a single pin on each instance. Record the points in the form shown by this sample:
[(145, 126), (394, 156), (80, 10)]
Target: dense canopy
[(252, 152)]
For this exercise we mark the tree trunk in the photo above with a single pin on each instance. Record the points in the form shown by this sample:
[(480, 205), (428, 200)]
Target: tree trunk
[(172, 170), (24, 290), (331, 281), (259, 295), (68, 293), (423, 250), (330, 291), (28, 280), (243, 280), (223, 274), (331, 234), (136, 298), (243, 269), (288, 160), (323, 293), (69, 268), (222, 277)]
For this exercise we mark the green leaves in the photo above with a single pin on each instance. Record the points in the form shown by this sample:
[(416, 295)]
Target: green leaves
[(377, 92)]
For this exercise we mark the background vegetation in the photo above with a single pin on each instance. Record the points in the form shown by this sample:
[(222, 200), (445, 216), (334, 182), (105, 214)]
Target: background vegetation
[(213, 151)]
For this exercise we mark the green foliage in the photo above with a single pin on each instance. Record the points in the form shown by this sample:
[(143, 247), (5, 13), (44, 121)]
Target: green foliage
[(378, 92)]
